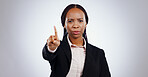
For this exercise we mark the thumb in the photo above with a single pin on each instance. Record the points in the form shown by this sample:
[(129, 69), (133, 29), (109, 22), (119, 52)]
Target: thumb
[(56, 42)]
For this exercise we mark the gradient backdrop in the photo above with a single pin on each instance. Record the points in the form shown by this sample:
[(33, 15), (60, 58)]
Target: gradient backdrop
[(120, 27)]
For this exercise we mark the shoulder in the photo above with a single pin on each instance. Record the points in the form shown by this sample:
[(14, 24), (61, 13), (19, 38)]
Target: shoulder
[(95, 49)]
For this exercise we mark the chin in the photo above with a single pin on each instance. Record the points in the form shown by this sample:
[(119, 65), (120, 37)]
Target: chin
[(76, 36)]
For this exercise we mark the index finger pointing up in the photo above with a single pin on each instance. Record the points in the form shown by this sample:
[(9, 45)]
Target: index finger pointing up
[(55, 32)]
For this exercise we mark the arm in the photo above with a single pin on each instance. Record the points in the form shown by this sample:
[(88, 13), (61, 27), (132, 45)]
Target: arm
[(104, 66), (52, 44), (47, 55)]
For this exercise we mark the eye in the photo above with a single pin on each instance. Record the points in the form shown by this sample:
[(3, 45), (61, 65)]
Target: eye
[(69, 20), (80, 20)]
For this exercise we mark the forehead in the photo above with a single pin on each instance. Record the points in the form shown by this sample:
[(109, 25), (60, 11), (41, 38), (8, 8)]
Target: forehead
[(75, 13)]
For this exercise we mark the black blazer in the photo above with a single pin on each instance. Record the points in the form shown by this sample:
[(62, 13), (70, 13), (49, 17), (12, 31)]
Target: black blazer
[(95, 62)]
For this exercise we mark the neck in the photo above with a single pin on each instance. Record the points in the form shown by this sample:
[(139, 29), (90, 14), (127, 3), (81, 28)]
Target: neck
[(76, 41)]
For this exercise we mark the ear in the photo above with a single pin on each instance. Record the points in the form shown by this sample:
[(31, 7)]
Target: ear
[(85, 26), (64, 26)]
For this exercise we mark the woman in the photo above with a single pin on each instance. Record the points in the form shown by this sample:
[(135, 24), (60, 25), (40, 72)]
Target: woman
[(74, 56)]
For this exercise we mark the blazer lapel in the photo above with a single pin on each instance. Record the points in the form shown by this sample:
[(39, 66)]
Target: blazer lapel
[(87, 59), (66, 48)]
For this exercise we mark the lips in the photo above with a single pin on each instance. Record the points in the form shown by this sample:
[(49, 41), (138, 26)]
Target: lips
[(76, 32)]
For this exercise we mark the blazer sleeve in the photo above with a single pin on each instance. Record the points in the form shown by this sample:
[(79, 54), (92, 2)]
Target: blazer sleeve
[(48, 55), (104, 66)]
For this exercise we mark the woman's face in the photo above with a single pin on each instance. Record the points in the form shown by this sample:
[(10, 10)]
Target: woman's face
[(75, 23)]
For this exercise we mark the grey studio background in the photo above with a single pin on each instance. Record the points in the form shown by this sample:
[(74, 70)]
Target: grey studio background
[(120, 27)]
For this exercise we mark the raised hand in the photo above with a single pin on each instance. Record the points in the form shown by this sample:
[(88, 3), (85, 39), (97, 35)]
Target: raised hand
[(53, 41)]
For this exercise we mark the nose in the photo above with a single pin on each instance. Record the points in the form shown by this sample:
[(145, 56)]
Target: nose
[(76, 25)]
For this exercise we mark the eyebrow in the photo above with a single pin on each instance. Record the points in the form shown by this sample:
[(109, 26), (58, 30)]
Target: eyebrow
[(72, 18)]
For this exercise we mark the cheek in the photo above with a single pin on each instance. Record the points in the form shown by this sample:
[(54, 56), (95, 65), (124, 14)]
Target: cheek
[(82, 26), (68, 28)]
